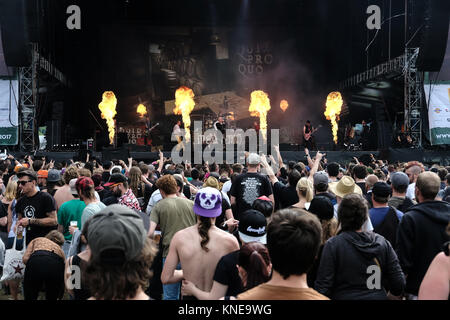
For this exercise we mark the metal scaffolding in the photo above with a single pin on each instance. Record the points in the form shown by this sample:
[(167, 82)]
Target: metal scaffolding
[(28, 102), (413, 97)]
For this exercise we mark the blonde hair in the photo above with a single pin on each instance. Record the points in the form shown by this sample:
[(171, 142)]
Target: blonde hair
[(11, 190), (212, 182), (305, 189)]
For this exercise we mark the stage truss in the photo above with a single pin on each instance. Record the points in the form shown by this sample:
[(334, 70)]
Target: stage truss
[(28, 102), (404, 65)]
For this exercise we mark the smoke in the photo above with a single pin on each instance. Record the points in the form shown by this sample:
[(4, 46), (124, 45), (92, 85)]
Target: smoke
[(291, 79)]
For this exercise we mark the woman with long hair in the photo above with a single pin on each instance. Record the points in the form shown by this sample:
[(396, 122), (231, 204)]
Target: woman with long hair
[(10, 198), (141, 190), (305, 193), (254, 265), (10, 195)]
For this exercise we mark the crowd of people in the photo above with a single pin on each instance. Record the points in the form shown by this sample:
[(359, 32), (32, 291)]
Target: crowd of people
[(264, 230)]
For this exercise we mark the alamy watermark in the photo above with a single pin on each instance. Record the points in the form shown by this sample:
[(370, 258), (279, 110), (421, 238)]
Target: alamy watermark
[(374, 280), (219, 148)]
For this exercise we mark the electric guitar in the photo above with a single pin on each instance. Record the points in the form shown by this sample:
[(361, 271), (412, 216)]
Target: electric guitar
[(147, 132), (308, 136)]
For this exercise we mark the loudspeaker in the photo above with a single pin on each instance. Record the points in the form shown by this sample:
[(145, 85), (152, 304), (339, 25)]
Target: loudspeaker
[(434, 36), (53, 133), (115, 154), (15, 32)]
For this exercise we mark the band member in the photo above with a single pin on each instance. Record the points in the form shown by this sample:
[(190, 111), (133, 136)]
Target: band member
[(365, 136), (308, 138), (177, 132), (147, 138), (220, 125)]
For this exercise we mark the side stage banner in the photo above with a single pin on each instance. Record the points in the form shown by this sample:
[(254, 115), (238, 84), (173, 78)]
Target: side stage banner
[(9, 95), (438, 112)]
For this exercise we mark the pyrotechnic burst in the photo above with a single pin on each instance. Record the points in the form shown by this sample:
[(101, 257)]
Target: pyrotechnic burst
[(284, 105), (259, 106), (184, 104), (333, 110), (142, 110), (108, 109)]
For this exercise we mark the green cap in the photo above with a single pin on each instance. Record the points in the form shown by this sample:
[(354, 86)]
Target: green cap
[(116, 234)]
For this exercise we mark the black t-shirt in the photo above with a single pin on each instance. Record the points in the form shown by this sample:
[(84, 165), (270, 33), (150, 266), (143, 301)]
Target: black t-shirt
[(227, 274), (36, 207), (220, 219), (285, 196), (362, 185), (247, 188)]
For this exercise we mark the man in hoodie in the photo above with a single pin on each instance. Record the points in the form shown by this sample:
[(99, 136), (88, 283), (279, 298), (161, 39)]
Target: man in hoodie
[(352, 259), (421, 232)]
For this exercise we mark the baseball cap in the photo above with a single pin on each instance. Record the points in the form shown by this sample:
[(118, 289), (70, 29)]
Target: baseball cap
[(253, 227), (208, 202), (84, 183), (399, 179), (253, 158), (116, 234), (54, 175), (115, 179), (320, 178), (381, 189), (72, 185), (322, 208), (29, 173), (42, 174)]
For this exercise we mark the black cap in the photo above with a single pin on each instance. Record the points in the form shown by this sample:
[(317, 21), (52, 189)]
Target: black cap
[(252, 226), (116, 178), (29, 173), (322, 207), (381, 189)]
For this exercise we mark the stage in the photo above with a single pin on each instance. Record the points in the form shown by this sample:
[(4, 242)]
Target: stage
[(428, 157)]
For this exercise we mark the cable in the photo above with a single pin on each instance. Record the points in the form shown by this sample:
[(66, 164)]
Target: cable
[(376, 33), (418, 29)]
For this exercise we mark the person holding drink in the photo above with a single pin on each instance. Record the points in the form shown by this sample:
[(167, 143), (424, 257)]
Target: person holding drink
[(69, 215)]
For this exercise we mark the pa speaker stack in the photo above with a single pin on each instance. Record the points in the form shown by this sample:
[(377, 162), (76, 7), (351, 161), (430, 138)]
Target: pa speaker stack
[(434, 35)]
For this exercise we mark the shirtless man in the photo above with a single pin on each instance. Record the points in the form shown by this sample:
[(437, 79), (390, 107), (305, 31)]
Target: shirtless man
[(201, 246)]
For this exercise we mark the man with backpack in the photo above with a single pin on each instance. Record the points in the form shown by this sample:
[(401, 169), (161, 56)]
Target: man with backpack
[(399, 200), (385, 219)]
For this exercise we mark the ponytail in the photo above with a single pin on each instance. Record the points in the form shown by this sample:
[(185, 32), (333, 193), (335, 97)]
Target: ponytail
[(203, 228), (254, 258)]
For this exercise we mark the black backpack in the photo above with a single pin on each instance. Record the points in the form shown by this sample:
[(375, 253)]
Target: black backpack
[(406, 204), (388, 227)]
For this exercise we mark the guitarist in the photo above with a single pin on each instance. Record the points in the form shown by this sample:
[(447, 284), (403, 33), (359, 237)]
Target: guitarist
[(308, 138)]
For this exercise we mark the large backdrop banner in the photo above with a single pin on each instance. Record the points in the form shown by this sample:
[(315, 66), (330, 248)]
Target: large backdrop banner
[(438, 112), (9, 97)]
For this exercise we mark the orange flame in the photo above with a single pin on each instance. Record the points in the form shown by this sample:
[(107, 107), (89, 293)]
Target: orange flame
[(259, 106), (184, 104), (284, 105), (108, 109), (333, 110), (142, 110)]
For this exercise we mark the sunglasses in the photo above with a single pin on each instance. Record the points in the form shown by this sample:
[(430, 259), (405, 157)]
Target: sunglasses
[(22, 183)]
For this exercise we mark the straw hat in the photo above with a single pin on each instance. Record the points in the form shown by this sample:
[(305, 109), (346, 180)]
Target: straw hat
[(344, 187)]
